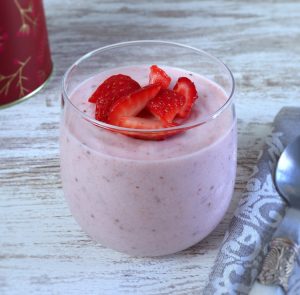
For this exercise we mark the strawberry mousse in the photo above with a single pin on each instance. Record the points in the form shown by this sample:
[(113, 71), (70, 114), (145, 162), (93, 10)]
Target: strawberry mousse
[(148, 161)]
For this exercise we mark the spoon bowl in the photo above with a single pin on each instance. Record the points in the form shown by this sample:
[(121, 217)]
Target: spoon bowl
[(287, 174)]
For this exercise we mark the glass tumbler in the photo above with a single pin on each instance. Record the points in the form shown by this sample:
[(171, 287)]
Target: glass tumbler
[(148, 197)]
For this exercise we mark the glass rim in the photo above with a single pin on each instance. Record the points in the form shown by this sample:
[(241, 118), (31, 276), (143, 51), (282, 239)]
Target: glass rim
[(185, 126)]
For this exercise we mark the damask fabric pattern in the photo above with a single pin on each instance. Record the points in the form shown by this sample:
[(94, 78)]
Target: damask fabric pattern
[(259, 212)]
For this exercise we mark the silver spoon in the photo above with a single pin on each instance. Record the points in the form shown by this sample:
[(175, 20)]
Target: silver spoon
[(287, 182), (287, 176)]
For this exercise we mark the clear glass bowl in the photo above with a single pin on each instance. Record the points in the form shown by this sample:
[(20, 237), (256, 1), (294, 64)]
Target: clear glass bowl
[(146, 197)]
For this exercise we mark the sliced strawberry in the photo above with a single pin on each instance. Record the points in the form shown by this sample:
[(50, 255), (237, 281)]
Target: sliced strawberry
[(109, 91), (157, 75), (145, 113), (186, 87), (145, 123), (132, 104), (141, 123), (166, 105)]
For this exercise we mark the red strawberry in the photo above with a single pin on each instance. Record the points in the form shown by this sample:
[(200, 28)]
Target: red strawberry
[(145, 114), (186, 87), (140, 123), (109, 91), (132, 104), (145, 123), (157, 75), (166, 105)]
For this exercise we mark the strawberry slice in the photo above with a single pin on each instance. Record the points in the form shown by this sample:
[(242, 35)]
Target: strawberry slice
[(157, 75), (140, 123), (132, 104), (166, 105), (109, 91), (145, 123), (186, 87), (124, 113), (145, 114)]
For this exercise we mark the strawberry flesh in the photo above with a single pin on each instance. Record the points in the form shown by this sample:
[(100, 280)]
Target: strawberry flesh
[(132, 104), (140, 123), (145, 123), (110, 91), (186, 87), (157, 75), (166, 105)]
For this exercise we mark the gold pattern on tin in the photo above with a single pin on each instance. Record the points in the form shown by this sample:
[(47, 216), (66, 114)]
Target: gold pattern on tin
[(26, 18), (18, 77), (279, 263)]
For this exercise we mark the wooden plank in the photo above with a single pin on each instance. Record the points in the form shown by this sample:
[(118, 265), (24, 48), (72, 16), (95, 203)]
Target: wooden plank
[(42, 250)]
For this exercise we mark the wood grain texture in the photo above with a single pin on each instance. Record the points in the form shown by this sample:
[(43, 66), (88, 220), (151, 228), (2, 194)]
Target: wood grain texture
[(42, 250)]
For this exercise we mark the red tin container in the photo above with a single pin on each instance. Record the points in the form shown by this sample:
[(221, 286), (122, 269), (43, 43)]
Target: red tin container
[(25, 61)]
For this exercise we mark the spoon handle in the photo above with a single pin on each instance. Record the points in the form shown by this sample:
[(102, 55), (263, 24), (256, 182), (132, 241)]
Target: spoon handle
[(278, 264)]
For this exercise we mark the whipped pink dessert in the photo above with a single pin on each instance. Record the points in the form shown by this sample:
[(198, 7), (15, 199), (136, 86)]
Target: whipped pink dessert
[(149, 197)]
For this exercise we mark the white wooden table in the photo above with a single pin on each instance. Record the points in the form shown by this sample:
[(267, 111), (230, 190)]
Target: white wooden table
[(42, 250)]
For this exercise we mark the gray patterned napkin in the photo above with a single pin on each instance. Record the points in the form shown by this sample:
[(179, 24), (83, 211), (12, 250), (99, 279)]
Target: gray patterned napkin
[(259, 212)]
